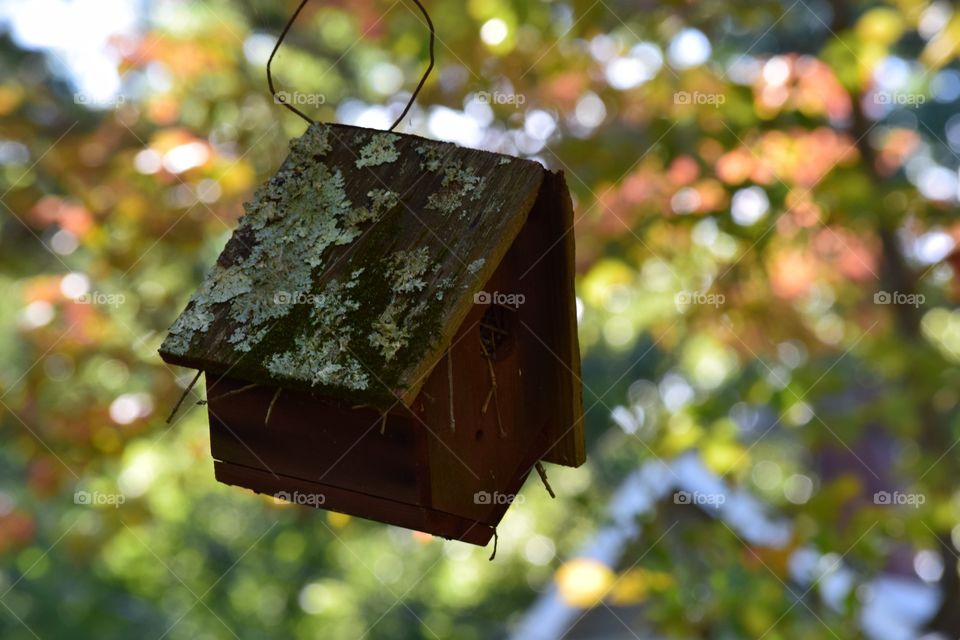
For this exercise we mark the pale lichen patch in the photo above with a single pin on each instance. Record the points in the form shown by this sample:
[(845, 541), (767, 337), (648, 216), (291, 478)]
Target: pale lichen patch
[(322, 354), (279, 279), (442, 286), (432, 154), (457, 184), (391, 331), (381, 201), (380, 150), (389, 335), (221, 285), (314, 142), (196, 318), (475, 266), (408, 266)]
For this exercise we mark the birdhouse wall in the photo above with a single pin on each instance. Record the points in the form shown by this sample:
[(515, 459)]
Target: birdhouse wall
[(537, 369), (321, 454), (542, 259), (315, 441)]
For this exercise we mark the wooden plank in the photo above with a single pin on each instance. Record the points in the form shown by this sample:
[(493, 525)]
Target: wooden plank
[(475, 471), (358, 504), (551, 222), (400, 231), (539, 389), (317, 441)]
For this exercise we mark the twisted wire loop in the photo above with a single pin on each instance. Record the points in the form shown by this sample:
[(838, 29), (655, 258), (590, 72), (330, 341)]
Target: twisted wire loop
[(283, 34)]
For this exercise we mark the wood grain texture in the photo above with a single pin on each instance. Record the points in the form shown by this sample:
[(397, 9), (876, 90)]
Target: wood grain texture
[(359, 504), (316, 441), (336, 458), (545, 255)]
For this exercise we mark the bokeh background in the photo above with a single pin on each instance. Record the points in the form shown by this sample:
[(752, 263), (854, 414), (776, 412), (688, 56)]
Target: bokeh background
[(766, 198)]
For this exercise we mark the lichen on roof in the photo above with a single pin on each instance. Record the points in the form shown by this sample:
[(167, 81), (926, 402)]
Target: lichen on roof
[(432, 155), (391, 331), (314, 142), (342, 279), (323, 355), (380, 150), (381, 201), (291, 222), (458, 182)]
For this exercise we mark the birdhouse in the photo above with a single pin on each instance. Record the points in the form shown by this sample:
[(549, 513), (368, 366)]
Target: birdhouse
[(390, 332)]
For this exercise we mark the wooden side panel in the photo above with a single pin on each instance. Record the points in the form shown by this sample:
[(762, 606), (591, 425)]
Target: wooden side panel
[(358, 504), (316, 448), (543, 258), (317, 441)]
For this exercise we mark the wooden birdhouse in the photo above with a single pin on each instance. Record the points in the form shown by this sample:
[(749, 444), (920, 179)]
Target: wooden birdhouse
[(391, 332)]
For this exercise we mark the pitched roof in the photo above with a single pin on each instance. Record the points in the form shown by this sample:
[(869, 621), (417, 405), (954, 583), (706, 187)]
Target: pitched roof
[(354, 265)]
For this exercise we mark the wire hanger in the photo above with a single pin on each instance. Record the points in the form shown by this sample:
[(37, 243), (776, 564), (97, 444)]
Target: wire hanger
[(413, 96)]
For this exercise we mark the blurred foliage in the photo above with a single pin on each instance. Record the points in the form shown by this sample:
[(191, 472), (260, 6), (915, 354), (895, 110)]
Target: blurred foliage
[(753, 182)]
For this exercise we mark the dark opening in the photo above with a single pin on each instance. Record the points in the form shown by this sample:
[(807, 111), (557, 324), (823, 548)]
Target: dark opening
[(496, 337)]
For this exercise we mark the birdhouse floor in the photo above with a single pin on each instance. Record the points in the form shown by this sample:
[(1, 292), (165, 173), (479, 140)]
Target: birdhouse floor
[(358, 504)]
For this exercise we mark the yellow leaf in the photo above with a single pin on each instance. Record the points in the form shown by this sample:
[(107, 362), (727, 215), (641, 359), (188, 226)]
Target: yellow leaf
[(583, 582)]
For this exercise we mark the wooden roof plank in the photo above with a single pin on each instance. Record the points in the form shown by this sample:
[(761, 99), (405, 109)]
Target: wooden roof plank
[(355, 264)]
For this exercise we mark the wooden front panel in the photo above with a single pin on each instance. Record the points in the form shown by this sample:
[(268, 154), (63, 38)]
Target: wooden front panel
[(538, 373), (473, 458), (317, 442)]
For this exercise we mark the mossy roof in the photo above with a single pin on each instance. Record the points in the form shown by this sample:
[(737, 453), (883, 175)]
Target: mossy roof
[(354, 265)]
